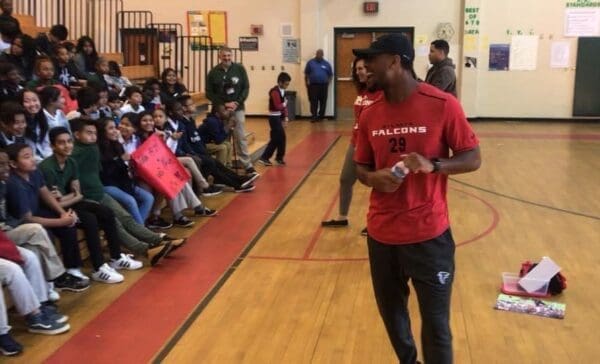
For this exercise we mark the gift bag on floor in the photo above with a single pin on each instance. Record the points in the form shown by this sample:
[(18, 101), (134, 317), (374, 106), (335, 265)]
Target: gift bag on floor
[(156, 165)]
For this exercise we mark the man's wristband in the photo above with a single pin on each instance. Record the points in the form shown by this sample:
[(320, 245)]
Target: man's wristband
[(437, 165)]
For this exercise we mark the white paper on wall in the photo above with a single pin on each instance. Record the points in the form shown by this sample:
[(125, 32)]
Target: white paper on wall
[(582, 22), (523, 52), (560, 54)]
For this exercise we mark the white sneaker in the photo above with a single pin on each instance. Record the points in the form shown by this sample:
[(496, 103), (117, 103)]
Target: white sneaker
[(125, 262), (106, 274), (77, 273), (53, 295)]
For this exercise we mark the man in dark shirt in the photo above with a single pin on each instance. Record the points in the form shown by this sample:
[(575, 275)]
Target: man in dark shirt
[(317, 75), (441, 74)]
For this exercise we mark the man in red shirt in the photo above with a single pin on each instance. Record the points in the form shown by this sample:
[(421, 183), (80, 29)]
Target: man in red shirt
[(409, 233)]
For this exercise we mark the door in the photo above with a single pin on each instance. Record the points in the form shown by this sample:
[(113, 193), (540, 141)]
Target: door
[(587, 78), (345, 40), (345, 90)]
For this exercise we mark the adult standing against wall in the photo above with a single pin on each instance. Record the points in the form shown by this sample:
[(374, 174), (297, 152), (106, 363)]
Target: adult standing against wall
[(227, 84), (317, 74), (441, 74), (409, 232)]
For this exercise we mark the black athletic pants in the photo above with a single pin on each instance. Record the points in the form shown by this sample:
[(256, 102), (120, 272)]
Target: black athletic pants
[(430, 266)]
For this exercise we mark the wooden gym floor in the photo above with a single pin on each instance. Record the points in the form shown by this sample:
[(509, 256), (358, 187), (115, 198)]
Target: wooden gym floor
[(263, 283)]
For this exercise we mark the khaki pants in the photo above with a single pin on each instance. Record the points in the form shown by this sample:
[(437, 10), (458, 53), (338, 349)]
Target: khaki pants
[(221, 151)]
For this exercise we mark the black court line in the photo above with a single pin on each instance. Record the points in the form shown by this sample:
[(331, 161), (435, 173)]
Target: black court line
[(164, 352), (570, 212)]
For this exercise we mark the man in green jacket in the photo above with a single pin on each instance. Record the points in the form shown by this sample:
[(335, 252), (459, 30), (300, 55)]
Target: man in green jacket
[(227, 84)]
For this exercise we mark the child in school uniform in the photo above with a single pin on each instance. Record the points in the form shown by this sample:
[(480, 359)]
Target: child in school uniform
[(134, 100), (278, 120)]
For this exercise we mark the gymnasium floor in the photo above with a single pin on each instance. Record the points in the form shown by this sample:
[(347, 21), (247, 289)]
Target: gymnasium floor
[(263, 283)]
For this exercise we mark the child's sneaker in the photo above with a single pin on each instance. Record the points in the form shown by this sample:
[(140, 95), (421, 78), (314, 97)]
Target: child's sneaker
[(157, 253), (8, 345), (68, 282), (106, 274), (126, 261), (76, 272), (211, 191), (53, 296), (265, 162), (158, 223), (281, 162), (40, 324), (204, 211), (51, 311), (247, 188), (247, 180), (183, 222)]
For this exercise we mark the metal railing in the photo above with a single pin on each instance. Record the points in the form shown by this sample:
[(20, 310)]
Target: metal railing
[(94, 18)]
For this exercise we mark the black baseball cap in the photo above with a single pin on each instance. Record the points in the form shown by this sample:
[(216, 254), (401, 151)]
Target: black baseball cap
[(393, 43)]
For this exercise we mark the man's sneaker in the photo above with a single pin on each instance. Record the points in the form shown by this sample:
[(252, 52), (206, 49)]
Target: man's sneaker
[(107, 274), (41, 324), (281, 162), (247, 180), (204, 211), (158, 223), (8, 345), (68, 282), (211, 191), (364, 232), (126, 261), (183, 222), (77, 273), (156, 254), (334, 223), (265, 162), (51, 311), (248, 188)]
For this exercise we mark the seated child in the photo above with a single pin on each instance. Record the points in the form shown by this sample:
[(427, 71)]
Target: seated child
[(12, 124), (53, 104), (62, 176), (44, 71), (28, 199), (135, 237), (116, 175), (215, 135), (134, 100), (184, 199), (10, 82), (115, 79)]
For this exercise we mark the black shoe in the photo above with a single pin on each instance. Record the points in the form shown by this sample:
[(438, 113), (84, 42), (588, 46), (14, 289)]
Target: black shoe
[(211, 191), (364, 232), (204, 211), (156, 254), (281, 162), (250, 171), (247, 180), (265, 162), (334, 223), (183, 222), (8, 345), (246, 188), (158, 223), (68, 282)]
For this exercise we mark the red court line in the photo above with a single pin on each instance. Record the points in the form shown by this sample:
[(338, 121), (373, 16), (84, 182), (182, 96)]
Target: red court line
[(137, 325), (317, 233)]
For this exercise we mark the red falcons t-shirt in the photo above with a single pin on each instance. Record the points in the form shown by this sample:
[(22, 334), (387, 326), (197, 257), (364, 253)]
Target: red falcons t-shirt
[(431, 123), (363, 100)]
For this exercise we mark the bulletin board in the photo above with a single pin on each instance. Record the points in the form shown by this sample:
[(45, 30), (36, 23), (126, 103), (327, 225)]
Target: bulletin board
[(217, 27), (197, 23)]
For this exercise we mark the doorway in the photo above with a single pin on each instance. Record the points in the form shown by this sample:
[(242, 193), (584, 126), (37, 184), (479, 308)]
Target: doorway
[(345, 40), (140, 46)]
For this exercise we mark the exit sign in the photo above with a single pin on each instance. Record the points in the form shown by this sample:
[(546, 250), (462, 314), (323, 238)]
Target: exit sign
[(371, 7)]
